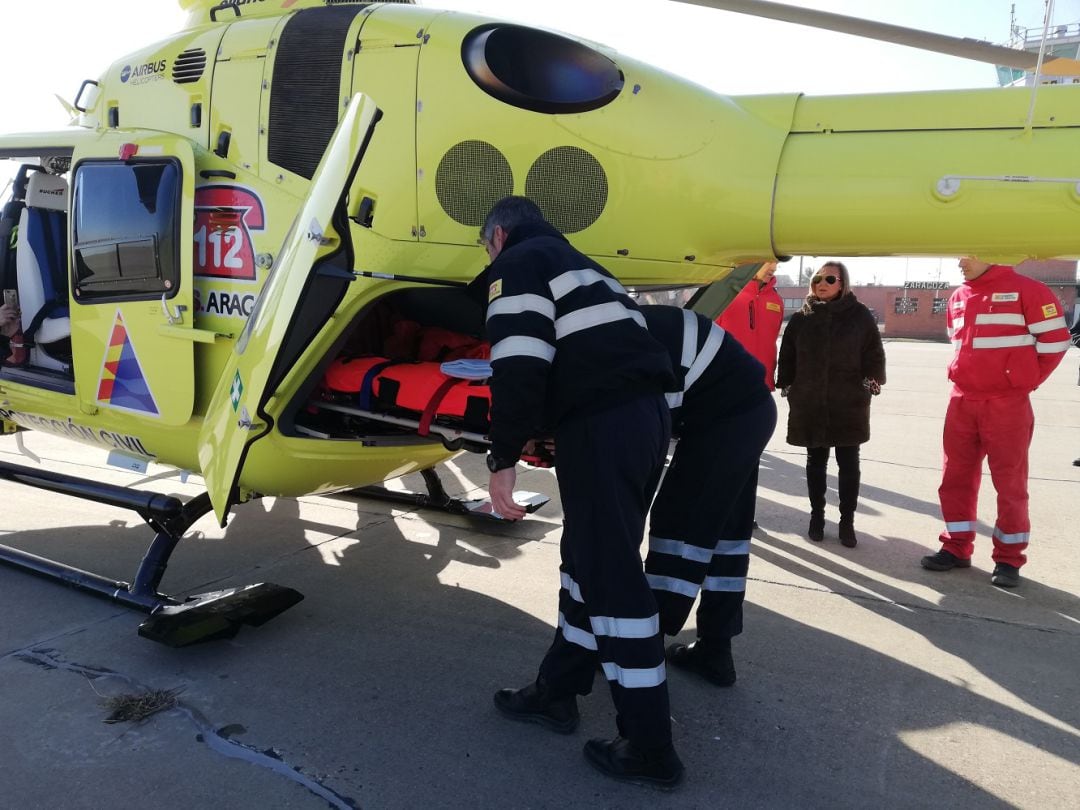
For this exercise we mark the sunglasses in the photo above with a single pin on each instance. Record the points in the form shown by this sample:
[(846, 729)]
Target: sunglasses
[(826, 279)]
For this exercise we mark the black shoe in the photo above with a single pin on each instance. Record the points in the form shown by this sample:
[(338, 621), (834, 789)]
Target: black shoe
[(1076, 462), (816, 530), (713, 663), (621, 759), (1005, 575), (944, 561), (847, 533), (533, 704)]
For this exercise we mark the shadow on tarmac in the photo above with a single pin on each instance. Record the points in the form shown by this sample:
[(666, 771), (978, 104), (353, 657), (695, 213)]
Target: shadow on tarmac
[(381, 680)]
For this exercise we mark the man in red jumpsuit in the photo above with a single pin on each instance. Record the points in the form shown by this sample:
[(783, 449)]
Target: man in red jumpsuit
[(1010, 334), (754, 319)]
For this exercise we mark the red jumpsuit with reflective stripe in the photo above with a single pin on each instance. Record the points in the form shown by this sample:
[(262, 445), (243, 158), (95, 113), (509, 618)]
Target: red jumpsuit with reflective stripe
[(754, 319), (1009, 334)]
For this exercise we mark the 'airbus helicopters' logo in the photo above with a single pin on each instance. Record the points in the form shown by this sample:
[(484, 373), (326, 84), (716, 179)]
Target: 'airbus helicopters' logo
[(146, 72), (225, 216)]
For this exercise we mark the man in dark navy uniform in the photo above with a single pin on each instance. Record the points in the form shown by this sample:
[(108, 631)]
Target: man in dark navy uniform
[(571, 357)]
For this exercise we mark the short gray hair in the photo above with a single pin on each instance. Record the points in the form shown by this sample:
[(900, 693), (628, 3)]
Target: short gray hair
[(508, 213)]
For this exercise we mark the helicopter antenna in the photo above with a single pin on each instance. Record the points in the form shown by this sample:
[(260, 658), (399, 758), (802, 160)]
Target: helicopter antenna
[(1049, 6)]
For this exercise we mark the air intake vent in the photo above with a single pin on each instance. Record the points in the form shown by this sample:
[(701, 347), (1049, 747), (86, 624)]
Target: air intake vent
[(189, 66), (570, 187), (471, 178), (305, 97)]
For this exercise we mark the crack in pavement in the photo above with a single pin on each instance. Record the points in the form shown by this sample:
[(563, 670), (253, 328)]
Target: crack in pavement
[(218, 739)]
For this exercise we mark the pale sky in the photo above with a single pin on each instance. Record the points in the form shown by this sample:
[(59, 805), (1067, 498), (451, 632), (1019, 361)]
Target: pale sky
[(729, 53)]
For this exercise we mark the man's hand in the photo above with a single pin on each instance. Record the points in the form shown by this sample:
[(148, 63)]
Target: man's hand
[(501, 490), (9, 320)]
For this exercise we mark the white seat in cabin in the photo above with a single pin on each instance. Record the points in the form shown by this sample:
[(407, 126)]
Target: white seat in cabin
[(41, 259)]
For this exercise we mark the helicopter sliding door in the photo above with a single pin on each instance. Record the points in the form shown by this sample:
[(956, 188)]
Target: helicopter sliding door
[(131, 252), (244, 403)]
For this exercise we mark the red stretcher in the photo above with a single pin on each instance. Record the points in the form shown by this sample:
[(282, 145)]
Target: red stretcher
[(450, 400)]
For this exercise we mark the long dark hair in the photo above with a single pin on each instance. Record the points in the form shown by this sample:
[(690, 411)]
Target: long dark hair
[(845, 284)]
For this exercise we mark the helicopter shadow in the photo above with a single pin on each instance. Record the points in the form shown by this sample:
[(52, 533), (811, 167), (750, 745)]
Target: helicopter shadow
[(382, 677)]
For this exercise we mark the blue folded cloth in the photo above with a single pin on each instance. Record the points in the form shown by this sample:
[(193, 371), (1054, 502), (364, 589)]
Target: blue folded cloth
[(467, 369)]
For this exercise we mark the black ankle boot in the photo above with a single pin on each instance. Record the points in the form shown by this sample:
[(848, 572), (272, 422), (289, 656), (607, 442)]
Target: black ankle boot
[(711, 660), (621, 759), (816, 530), (535, 704), (847, 531)]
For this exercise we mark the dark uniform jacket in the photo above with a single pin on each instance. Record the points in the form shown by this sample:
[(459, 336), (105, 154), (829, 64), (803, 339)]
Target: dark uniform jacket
[(824, 357), (566, 339), (715, 375)]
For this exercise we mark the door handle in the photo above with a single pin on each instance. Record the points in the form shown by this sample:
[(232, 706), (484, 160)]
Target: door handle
[(175, 316)]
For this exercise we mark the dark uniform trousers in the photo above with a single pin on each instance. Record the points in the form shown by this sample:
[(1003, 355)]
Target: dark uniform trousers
[(609, 464), (699, 537)]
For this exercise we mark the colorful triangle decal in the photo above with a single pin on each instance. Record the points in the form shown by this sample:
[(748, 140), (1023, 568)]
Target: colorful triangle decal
[(122, 383)]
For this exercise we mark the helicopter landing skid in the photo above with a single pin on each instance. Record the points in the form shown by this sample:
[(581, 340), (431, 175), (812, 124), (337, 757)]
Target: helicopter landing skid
[(174, 622), (436, 498)]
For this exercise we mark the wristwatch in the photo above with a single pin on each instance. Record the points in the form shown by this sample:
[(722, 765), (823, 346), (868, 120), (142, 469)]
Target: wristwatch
[(495, 463)]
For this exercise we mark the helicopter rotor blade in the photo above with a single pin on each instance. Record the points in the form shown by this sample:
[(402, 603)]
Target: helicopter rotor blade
[(975, 49)]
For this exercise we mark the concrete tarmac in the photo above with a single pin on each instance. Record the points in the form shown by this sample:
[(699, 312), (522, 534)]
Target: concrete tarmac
[(863, 680)]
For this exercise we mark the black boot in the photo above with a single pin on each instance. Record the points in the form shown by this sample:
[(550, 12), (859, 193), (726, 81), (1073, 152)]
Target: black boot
[(535, 704), (815, 489), (621, 759), (847, 531), (710, 659), (848, 489)]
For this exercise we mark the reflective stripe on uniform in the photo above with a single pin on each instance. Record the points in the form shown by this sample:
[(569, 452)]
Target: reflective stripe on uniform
[(571, 587), (598, 315), (705, 356), (572, 279), (618, 627), (1052, 348), (575, 635), (957, 324), (520, 346), (1000, 319), (673, 585), (1007, 342), (957, 344), (1047, 326), (1011, 539), (689, 341), (729, 548), (677, 548), (517, 304), (724, 584), (635, 678), (960, 526)]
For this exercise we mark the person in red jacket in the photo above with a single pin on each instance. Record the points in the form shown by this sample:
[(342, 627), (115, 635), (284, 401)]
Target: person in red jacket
[(754, 319), (1010, 334)]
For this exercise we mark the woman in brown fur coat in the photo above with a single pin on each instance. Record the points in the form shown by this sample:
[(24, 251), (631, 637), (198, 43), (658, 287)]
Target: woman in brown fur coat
[(831, 362)]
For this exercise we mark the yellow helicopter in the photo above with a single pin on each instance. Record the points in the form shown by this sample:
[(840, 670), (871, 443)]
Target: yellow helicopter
[(240, 205)]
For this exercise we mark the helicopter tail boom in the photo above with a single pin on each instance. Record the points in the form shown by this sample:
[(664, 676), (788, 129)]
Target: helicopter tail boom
[(947, 173)]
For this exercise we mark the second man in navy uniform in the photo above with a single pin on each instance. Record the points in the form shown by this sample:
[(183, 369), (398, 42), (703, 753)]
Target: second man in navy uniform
[(699, 534)]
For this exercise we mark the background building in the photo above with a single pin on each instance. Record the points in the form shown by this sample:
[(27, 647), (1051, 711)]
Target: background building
[(916, 309)]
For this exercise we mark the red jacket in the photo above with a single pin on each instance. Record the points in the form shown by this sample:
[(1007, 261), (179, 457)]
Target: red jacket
[(1008, 331), (754, 318)]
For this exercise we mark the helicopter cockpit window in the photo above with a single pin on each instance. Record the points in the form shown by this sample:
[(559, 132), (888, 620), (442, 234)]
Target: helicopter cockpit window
[(124, 232), (538, 70)]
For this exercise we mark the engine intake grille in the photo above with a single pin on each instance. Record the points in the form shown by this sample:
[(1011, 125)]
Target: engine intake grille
[(472, 177), (570, 187)]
